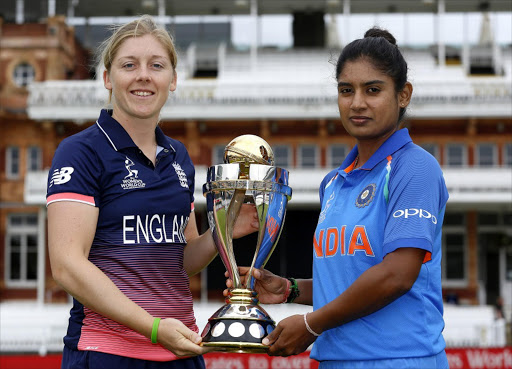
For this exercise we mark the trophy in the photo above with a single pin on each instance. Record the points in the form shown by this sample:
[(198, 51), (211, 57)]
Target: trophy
[(248, 176)]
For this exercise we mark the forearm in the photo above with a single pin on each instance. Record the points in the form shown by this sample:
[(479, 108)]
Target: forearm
[(306, 292), (374, 289), (199, 252), (89, 285)]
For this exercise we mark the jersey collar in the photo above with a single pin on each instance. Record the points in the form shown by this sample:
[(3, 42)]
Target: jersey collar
[(397, 140), (119, 138)]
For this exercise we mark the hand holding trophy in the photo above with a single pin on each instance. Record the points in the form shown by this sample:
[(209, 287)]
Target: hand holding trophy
[(248, 175)]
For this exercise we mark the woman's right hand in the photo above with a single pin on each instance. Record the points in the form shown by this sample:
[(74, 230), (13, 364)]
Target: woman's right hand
[(271, 288), (179, 339)]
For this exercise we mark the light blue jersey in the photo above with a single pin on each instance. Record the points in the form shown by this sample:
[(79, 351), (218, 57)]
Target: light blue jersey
[(396, 199)]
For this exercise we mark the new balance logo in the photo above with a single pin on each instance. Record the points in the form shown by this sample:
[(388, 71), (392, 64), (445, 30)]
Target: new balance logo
[(61, 175)]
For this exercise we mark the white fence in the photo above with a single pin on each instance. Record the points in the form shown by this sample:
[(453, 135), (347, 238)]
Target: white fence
[(28, 327)]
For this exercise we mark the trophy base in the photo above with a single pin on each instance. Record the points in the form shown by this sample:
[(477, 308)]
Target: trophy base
[(239, 326), (237, 347)]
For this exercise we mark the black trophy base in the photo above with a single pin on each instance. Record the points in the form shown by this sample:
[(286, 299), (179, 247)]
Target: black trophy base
[(239, 326)]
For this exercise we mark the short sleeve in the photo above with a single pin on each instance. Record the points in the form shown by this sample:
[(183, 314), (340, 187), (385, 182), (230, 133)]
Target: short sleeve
[(417, 198), (75, 174)]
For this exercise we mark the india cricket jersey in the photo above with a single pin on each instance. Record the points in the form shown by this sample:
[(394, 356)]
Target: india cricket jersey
[(396, 199), (139, 240)]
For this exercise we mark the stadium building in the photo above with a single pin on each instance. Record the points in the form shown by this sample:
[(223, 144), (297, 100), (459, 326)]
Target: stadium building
[(461, 113)]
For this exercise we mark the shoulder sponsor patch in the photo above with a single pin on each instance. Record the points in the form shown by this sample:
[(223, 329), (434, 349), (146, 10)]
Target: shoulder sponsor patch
[(61, 176)]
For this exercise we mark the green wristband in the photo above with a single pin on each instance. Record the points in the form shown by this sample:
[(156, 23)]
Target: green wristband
[(154, 331), (294, 291)]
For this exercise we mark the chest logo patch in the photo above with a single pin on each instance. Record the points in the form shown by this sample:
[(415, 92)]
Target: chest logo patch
[(131, 180), (181, 175), (328, 204), (366, 196)]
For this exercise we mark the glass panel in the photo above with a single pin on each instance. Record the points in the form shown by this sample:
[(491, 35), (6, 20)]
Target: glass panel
[(488, 219), (31, 219), (307, 156), (13, 160), (507, 155), (430, 148), (15, 266), (337, 154), (32, 241), (508, 266), (455, 155), (282, 156), (454, 256), (23, 74), (454, 219), (507, 219), (16, 220), (34, 158), (32, 265), (15, 242), (485, 155)]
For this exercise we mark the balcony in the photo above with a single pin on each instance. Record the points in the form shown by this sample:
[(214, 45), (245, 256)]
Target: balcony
[(294, 84), (466, 186)]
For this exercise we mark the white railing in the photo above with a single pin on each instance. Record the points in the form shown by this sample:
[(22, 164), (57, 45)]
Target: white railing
[(473, 326), (465, 185), (28, 327)]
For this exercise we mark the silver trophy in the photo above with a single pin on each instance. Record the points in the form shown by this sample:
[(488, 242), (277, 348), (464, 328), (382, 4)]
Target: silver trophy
[(249, 176)]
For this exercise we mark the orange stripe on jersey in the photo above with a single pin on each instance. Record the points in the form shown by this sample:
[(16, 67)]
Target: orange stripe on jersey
[(351, 166), (69, 196), (428, 257), (192, 207)]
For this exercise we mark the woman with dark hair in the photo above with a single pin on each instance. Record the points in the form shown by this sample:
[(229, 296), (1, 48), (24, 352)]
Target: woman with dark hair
[(376, 286)]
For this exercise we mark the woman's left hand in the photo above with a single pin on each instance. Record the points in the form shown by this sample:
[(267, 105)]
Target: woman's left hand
[(290, 337), (247, 221)]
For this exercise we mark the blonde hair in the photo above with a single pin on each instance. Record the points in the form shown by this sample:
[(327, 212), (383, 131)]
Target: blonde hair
[(145, 25)]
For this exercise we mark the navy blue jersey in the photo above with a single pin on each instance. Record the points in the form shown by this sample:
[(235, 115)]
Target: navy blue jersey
[(140, 235), (396, 199)]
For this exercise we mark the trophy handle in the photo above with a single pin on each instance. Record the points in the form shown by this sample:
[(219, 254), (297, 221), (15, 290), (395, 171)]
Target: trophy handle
[(232, 213), (262, 215)]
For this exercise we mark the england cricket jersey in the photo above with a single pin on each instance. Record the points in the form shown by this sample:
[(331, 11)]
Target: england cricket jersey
[(396, 199), (139, 240)]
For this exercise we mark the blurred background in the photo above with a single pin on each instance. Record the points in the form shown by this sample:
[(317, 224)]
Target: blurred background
[(265, 67)]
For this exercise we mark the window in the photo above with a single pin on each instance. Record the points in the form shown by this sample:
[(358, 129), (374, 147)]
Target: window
[(432, 149), (282, 156), (336, 154), (218, 154), (486, 155), (21, 250), (456, 155), (454, 249), (507, 155), (24, 74), (307, 156), (12, 162), (34, 161)]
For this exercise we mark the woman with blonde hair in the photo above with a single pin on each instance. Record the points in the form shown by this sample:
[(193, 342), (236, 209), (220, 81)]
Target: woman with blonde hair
[(122, 232)]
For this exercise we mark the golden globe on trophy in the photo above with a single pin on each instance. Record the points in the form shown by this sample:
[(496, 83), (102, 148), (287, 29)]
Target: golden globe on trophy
[(248, 176)]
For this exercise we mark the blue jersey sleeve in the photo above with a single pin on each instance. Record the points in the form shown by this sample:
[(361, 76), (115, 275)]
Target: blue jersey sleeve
[(75, 173), (416, 200)]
